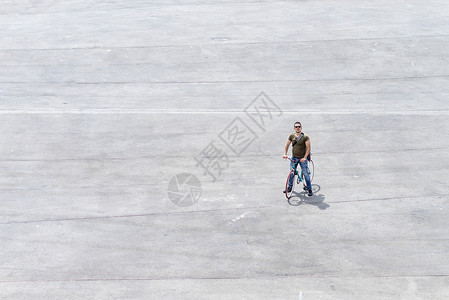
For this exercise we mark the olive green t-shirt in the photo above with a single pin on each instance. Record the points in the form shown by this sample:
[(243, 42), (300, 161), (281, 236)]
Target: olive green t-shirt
[(299, 149)]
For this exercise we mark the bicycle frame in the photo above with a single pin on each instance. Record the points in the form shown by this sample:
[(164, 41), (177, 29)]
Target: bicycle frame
[(294, 167), (294, 172)]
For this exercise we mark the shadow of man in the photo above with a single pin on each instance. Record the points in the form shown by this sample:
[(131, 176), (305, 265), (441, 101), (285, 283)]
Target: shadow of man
[(315, 200)]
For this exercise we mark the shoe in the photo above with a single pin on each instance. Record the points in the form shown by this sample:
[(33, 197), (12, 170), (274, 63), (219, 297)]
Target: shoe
[(310, 193), (289, 189), (305, 188)]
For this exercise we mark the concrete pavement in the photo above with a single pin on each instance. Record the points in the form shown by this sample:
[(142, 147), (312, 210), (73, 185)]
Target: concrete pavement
[(103, 104)]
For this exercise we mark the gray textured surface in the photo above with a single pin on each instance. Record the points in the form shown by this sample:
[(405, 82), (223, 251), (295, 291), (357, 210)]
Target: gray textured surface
[(103, 102)]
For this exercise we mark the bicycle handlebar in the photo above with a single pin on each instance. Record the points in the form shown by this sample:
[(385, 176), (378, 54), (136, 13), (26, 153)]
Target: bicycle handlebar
[(296, 161)]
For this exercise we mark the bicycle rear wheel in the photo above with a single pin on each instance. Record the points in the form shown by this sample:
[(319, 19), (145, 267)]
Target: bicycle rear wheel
[(311, 169), (287, 193)]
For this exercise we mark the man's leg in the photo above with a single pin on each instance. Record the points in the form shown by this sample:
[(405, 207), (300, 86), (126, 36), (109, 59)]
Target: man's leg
[(305, 172)]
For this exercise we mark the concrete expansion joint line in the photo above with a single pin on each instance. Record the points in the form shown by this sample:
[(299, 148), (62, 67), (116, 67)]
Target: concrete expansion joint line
[(391, 198), (228, 43), (150, 5), (225, 278), (88, 218), (133, 215), (233, 112), (225, 81), (105, 159)]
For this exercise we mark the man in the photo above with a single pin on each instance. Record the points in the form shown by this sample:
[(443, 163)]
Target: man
[(300, 152)]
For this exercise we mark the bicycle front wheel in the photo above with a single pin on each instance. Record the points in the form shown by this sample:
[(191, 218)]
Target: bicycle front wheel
[(289, 194), (311, 168)]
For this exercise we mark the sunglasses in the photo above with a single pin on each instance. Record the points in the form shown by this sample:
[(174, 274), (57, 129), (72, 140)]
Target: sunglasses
[(297, 126)]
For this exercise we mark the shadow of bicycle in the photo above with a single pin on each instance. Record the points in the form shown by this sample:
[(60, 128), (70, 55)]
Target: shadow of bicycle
[(317, 200)]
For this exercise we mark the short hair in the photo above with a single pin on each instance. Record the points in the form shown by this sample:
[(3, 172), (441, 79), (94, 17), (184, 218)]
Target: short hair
[(297, 123)]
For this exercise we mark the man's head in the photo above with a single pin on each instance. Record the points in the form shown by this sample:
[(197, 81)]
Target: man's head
[(298, 127)]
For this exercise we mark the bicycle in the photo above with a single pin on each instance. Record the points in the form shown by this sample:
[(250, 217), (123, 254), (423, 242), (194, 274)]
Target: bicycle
[(298, 178)]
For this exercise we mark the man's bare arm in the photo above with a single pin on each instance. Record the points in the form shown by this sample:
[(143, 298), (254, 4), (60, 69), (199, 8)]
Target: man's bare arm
[(286, 148), (308, 148)]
